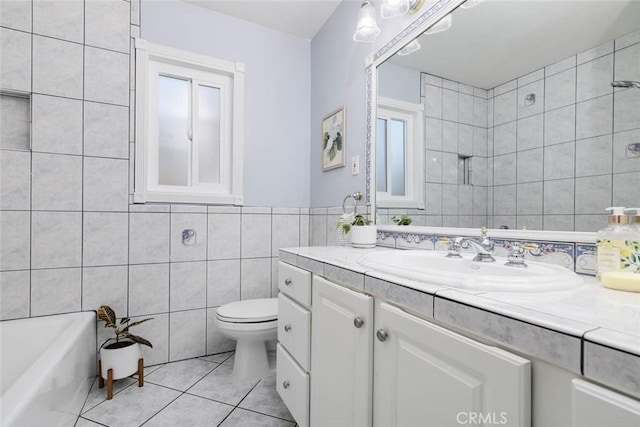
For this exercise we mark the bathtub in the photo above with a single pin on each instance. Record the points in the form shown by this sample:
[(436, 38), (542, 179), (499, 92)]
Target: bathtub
[(47, 366)]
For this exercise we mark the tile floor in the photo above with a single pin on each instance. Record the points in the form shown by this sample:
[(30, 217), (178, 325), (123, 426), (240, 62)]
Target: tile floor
[(193, 392)]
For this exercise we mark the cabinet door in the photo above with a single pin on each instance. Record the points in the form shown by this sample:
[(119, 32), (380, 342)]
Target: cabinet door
[(341, 356), (595, 406), (429, 376)]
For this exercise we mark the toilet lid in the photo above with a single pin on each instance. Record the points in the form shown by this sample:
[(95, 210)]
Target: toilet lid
[(251, 310)]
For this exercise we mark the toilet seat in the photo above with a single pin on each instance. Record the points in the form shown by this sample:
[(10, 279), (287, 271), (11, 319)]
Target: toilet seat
[(249, 311)]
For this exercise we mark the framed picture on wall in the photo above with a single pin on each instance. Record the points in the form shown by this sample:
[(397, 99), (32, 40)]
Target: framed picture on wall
[(333, 140)]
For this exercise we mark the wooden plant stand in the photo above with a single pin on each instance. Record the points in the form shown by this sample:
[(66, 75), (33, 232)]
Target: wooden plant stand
[(110, 379)]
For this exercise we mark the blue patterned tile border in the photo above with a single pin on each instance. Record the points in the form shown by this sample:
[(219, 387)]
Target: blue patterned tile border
[(586, 259), (576, 257)]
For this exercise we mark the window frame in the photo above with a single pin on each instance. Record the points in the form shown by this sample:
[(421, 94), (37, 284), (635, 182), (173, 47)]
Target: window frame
[(413, 116), (153, 60)]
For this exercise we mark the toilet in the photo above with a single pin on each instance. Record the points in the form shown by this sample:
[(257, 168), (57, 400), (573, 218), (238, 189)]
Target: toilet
[(251, 323)]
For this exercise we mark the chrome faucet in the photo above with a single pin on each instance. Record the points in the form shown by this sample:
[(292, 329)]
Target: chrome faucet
[(483, 247)]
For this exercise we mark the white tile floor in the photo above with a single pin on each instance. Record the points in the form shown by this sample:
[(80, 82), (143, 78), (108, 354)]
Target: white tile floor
[(193, 392)]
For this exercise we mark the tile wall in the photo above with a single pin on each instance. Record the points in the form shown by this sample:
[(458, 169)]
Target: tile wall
[(71, 239), (558, 162)]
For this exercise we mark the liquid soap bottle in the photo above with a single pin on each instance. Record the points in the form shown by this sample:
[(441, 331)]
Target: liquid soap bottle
[(628, 278), (610, 242)]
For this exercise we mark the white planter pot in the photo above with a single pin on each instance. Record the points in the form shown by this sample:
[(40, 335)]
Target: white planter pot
[(123, 360), (363, 236)]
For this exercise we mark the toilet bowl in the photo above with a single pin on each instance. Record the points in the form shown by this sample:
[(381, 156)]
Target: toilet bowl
[(251, 323)]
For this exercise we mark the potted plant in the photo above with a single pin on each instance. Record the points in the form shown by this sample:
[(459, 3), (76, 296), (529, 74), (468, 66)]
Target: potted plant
[(363, 233), (120, 356), (403, 220)]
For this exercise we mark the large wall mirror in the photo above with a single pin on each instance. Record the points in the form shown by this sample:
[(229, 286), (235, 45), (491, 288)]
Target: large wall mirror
[(504, 114)]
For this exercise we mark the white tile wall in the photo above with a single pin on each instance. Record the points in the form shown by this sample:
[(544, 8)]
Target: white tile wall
[(15, 302), (59, 19), (15, 230), (15, 60), (187, 334), (56, 182), (57, 125), (148, 289), (105, 286), (107, 76), (56, 239), (56, 291), (15, 173), (108, 24), (188, 285), (57, 67), (106, 130)]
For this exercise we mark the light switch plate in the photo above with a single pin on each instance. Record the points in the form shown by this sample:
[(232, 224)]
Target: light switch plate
[(355, 165)]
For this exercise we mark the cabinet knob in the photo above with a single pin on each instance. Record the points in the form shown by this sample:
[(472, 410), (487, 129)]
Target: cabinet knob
[(382, 334), (287, 282), (287, 328), (358, 322), (285, 384)]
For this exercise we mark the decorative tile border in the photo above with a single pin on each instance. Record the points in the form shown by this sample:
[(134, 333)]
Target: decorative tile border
[(586, 259), (576, 257)]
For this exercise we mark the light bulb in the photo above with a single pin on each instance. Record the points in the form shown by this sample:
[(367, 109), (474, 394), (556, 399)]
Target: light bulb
[(367, 28), (393, 8)]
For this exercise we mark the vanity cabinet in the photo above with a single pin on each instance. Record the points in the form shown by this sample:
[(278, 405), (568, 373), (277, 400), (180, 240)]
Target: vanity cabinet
[(341, 363), (385, 367), (294, 340), (595, 406), (427, 375)]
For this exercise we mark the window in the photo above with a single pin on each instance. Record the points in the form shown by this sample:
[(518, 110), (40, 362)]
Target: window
[(189, 117), (399, 154)]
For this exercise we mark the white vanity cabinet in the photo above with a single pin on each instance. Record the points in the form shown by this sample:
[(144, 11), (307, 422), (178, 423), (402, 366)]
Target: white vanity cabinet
[(385, 367), (595, 406), (341, 363), (427, 375), (294, 340)]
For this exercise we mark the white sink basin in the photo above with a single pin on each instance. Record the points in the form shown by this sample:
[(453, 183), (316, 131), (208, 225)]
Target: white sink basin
[(434, 268)]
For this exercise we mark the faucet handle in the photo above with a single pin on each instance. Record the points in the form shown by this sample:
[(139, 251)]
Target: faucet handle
[(483, 232), (517, 252), (454, 246)]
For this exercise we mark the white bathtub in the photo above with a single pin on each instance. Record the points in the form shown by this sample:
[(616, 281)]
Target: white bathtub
[(47, 366)]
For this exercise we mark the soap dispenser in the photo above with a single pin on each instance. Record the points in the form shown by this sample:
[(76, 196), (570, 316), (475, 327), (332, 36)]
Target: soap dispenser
[(628, 277), (610, 242), (632, 253)]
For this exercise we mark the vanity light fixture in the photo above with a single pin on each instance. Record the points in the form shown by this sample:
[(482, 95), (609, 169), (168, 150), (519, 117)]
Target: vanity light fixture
[(470, 3), (442, 25), (410, 48), (367, 28), (393, 8)]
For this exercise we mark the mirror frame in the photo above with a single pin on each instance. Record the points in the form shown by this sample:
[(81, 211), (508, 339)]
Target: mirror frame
[(432, 15)]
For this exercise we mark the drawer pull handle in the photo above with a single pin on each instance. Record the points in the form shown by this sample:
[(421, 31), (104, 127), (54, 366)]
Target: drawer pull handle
[(358, 322), (287, 328), (287, 282), (382, 335), (285, 385)]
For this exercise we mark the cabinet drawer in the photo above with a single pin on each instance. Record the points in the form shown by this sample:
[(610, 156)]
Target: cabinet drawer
[(294, 330), (295, 283), (597, 406), (292, 384)]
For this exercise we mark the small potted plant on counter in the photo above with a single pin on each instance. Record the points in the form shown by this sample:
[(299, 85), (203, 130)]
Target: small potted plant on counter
[(120, 357), (363, 233), (403, 220)]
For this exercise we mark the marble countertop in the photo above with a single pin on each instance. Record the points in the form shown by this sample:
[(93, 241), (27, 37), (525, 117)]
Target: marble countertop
[(604, 316)]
